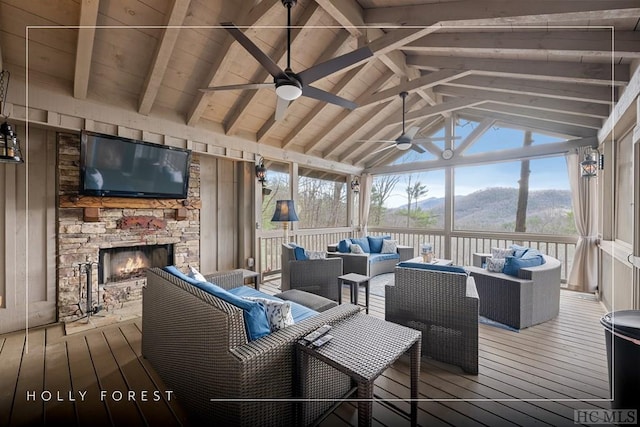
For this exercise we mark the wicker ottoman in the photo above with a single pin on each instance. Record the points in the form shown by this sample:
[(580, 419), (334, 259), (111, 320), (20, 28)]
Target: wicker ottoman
[(313, 301)]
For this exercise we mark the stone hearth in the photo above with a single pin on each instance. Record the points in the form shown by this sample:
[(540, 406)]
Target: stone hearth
[(79, 242)]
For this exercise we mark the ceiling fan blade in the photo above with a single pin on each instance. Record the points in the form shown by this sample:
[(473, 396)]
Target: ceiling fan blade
[(238, 86), (377, 140), (254, 50), (321, 95), (281, 108), (437, 138), (381, 150), (333, 65), (412, 131), (417, 148)]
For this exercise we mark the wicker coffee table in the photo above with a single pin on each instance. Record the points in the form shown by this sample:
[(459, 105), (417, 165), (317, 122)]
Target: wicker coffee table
[(363, 347)]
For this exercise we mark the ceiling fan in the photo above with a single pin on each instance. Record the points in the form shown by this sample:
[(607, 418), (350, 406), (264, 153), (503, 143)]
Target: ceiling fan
[(405, 141), (289, 85)]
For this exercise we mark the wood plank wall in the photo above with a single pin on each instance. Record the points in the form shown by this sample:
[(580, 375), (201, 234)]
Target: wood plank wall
[(27, 237), (219, 215)]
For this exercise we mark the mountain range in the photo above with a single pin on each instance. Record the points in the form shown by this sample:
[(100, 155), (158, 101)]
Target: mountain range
[(494, 209)]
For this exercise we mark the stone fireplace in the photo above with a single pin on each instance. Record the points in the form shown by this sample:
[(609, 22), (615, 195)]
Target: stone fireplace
[(130, 262), (110, 249)]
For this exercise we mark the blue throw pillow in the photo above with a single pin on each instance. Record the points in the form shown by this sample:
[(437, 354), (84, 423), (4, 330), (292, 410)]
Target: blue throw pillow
[(375, 243), (434, 267), (512, 264), (532, 253), (255, 316), (518, 250), (363, 242), (343, 246), (298, 252)]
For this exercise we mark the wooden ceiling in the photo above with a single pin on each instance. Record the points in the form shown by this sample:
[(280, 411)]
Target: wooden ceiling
[(549, 65)]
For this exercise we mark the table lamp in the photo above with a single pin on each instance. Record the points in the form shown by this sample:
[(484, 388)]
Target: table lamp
[(285, 212)]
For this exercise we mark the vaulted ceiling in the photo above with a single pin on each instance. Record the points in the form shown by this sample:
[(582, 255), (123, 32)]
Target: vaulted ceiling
[(549, 65)]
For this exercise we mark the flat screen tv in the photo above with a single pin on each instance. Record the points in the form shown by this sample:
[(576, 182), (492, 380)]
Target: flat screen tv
[(123, 167)]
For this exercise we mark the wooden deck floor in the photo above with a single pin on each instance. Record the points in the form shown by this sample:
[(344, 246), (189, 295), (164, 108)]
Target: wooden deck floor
[(538, 376)]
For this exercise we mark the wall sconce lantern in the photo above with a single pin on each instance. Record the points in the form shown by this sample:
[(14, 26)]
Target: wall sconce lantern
[(355, 185), (261, 172), (593, 161), (9, 144)]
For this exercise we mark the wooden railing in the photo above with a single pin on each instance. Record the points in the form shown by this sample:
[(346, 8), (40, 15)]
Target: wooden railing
[(459, 246), (270, 244)]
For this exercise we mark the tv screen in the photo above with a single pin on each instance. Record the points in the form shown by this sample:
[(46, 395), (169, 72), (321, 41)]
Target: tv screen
[(123, 167)]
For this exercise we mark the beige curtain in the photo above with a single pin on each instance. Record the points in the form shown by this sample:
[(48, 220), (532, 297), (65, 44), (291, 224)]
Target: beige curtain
[(584, 271), (366, 183)]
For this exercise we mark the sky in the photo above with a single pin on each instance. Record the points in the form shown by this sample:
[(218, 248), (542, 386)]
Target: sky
[(546, 173)]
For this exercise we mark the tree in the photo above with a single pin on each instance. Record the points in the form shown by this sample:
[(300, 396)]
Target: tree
[(523, 190), (414, 192), (383, 186)]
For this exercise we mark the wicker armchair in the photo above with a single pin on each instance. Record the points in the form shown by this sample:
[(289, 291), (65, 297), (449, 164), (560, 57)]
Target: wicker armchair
[(198, 345), (444, 306), (317, 276)]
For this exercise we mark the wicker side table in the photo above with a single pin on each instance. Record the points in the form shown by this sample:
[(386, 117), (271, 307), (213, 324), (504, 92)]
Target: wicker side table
[(363, 347)]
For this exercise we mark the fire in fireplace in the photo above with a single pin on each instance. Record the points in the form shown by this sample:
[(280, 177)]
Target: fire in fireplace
[(127, 263)]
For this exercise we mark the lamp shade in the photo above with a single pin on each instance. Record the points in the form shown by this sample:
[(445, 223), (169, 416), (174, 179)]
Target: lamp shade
[(285, 211)]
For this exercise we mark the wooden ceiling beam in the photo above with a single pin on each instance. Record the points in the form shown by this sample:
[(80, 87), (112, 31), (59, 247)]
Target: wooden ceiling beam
[(561, 129), (530, 152), (559, 71), (501, 12), (590, 44), (475, 134), (589, 109), (84, 49), (382, 80), (572, 92), (425, 82), (375, 114), (162, 55), (347, 13), (552, 116), (260, 14), (310, 16)]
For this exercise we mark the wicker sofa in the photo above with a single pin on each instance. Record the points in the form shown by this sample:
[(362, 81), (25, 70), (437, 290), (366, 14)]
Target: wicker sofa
[(370, 264), (198, 345), (444, 306), (529, 299)]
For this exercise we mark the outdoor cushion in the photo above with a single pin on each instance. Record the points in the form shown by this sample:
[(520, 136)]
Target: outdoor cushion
[(195, 274), (495, 265), (255, 315), (532, 253), (298, 252), (512, 264), (382, 257), (501, 252), (278, 313), (389, 247), (355, 249), (375, 243), (343, 246), (298, 311), (518, 250), (363, 242), (434, 267)]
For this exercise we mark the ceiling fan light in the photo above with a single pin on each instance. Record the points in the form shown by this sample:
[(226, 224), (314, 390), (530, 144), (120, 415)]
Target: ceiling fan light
[(288, 91), (403, 145)]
